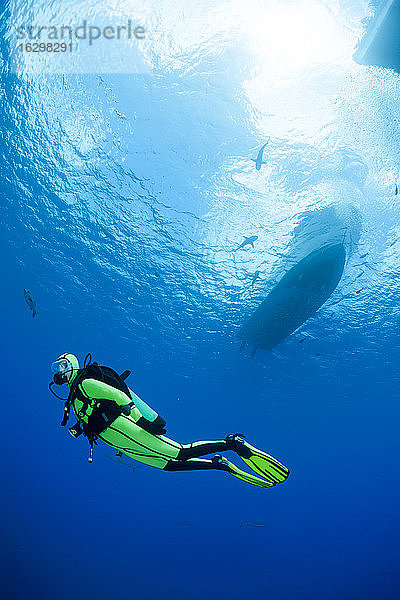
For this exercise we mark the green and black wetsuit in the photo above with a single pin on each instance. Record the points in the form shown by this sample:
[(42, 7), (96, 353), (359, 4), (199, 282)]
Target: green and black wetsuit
[(107, 409), (129, 431)]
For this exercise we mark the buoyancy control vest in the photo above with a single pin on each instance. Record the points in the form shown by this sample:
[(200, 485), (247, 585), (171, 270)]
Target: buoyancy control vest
[(105, 411)]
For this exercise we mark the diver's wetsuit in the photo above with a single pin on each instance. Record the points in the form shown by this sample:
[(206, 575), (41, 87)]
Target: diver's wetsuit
[(126, 434)]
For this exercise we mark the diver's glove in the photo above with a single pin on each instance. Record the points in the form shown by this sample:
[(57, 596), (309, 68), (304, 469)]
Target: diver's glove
[(160, 425), (156, 427)]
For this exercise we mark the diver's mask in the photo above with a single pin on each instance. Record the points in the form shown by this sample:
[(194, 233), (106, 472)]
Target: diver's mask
[(62, 370)]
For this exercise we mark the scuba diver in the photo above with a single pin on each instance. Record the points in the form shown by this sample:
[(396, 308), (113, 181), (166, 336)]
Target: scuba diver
[(106, 409)]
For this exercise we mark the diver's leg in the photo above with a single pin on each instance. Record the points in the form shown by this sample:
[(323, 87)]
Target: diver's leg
[(202, 448), (220, 464), (262, 463), (127, 437), (232, 441), (195, 464)]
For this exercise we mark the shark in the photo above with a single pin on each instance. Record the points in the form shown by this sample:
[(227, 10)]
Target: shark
[(253, 524), (248, 241), (259, 160), (118, 459)]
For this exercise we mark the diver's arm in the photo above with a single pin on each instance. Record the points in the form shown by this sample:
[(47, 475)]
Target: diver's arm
[(98, 390), (152, 422)]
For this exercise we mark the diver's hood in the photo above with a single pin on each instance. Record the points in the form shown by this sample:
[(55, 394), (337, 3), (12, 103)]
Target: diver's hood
[(65, 368)]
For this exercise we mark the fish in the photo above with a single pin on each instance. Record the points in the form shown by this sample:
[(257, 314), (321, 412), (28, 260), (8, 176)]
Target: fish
[(248, 241), (253, 524), (30, 302), (122, 462), (255, 277), (385, 573), (396, 190), (259, 160)]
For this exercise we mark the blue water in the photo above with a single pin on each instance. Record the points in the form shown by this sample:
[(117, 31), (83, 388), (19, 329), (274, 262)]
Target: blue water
[(123, 196)]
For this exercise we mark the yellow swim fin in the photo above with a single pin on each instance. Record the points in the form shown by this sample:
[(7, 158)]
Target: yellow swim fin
[(265, 465), (236, 472), (260, 462)]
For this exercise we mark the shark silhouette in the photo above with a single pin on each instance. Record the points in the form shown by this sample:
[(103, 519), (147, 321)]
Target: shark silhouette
[(248, 241), (259, 160)]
